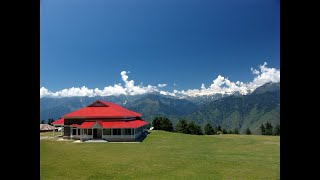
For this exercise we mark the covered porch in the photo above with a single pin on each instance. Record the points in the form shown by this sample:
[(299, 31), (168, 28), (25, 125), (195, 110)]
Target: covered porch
[(95, 130)]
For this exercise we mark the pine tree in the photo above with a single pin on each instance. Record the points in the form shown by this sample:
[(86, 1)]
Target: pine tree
[(248, 132), (277, 130), (263, 129), (182, 126), (194, 128), (50, 121), (166, 124), (162, 123), (236, 131), (269, 129), (208, 129), (224, 131), (156, 123), (42, 122)]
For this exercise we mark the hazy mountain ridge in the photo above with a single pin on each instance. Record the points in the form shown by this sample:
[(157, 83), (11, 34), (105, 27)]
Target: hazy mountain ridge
[(242, 111)]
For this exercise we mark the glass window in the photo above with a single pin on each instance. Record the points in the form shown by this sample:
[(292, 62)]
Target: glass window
[(89, 131), (78, 131), (116, 131), (74, 131), (127, 131), (106, 131), (85, 131)]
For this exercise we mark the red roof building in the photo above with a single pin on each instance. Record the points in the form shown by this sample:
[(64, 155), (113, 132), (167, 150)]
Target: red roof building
[(103, 120)]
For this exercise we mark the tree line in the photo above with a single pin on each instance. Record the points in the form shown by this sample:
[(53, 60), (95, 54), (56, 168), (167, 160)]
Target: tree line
[(49, 121), (190, 127), (267, 129)]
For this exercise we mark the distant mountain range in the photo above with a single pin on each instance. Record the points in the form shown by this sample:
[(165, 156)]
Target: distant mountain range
[(242, 112), (229, 111)]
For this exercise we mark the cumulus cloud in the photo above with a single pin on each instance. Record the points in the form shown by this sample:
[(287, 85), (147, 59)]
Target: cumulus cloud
[(166, 93), (129, 88), (162, 85), (44, 92), (220, 85)]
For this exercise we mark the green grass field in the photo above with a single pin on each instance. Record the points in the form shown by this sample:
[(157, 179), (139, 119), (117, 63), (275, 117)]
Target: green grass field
[(164, 155)]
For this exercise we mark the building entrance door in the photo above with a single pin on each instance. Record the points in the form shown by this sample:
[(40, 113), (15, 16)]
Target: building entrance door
[(95, 133)]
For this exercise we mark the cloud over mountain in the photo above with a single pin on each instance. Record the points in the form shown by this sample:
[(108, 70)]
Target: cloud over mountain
[(219, 85), (223, 85)]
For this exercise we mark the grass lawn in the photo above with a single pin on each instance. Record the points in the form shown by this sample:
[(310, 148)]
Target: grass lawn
[(164, 155), (49, 133)]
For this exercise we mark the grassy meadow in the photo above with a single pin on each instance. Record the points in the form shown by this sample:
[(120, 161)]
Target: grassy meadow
[(164, 155)]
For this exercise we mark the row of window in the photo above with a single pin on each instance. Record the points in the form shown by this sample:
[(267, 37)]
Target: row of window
[(105, 131)]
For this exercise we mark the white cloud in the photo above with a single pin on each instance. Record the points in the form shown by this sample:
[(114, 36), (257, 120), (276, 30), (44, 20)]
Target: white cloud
[(167, 93), (265, 75), (44, 92), (220, 85), (255, 72), (162, 85), (128, 89)]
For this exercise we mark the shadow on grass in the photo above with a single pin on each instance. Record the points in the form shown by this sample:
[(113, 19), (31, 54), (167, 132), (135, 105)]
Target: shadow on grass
[(142, 137)]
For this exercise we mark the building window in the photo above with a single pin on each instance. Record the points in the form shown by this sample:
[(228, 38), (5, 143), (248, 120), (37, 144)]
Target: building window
[(106, 131), (78, 131), (89, 131), (74, 131), (116, 131), (85, 131), (127, 131)]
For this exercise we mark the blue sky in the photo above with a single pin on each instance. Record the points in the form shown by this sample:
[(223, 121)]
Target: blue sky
[(186, 42)]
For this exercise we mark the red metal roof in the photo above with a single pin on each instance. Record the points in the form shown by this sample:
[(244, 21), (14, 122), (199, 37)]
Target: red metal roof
[(59, 122), (107, 109), (87, 125), (123, 124), (114, 124)]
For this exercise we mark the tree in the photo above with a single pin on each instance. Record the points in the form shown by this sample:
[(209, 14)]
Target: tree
[(194, 128), (162, 123), (50, 121), (236, 131), (156, 123), (42, 122), (219, 128), (148, 125), (248, 132), (208, 129), (230, 132), (166, 124), (224, 131), (182, 126), (263, 129), (269, 129), (277, 130)]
